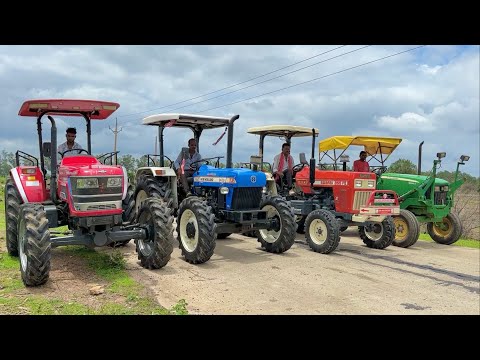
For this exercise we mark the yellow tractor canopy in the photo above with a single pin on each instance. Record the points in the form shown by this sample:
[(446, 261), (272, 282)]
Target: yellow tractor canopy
[(375, 146)]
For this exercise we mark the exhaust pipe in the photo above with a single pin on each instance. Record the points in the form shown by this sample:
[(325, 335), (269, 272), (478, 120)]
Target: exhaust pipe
[(419, 169), (230, 141)]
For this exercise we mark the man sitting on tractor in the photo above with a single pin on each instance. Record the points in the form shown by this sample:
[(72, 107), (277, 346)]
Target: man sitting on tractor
[(361, 165), (70, 144), (183, 164), (283, 165)]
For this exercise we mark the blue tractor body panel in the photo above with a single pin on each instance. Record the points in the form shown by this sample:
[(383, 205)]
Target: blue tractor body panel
[(237, 180)]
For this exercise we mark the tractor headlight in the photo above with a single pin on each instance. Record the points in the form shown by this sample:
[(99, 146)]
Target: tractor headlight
[(358, 183), (114, 182), (87, 183), (371, 184), (264, 190), (437, 188), (444, 188), (224, 190)]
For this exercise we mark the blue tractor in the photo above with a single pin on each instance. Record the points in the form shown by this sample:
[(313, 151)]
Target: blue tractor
[(217, 201)]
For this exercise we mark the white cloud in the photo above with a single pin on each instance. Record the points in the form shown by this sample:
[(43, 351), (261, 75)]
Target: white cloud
[(407, 121), (430, 95)]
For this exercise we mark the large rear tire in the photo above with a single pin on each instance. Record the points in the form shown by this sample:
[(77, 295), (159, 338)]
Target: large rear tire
[(448, 231), (12, 209), (149, 187), (407, 229), (381, 236), (321, 231), (281, 239), (196, 230), (34, 244), (155, 251)]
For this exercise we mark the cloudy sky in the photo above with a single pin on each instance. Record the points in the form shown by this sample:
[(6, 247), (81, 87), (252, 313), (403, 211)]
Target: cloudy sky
[(429, 94)]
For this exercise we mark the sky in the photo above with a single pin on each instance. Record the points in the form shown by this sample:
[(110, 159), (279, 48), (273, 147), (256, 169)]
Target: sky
[(428, 94)]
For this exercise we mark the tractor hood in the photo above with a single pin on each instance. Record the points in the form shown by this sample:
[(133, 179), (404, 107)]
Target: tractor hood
[(87, 166), (412, 179), (210, 176)]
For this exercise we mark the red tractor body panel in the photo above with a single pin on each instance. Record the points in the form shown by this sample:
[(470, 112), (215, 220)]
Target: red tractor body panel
[(87, 166), (351, 190), (30, 180)]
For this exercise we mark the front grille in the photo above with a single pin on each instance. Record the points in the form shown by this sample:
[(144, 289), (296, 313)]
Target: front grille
[(246, 198), (440, 197), (360, 199), (101, 207)]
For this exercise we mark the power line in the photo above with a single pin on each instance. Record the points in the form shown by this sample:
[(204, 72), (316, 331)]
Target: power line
[(308, 81), (276, 77), (243, 82)]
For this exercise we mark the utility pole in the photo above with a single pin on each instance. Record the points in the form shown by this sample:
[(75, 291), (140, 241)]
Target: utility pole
[(116, 131)]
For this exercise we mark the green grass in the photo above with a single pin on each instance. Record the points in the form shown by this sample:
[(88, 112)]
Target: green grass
[(469, 243)]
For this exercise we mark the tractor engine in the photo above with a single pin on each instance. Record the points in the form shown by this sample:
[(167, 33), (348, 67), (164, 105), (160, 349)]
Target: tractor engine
[(230, 189)]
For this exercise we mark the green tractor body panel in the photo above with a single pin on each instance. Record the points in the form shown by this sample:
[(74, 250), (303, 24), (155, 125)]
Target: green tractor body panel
[(429, 198)]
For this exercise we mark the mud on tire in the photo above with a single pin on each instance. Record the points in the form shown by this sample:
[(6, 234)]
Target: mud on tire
[(34, 244), (407, 229), (321, 231), (381, 236), (282, 239), (196, 230), (12, 210), (155, 251)]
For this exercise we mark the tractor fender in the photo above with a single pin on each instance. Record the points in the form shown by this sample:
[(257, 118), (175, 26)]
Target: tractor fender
[(31, 186), (125, 182), (161, 172), (271, 186), (155, 171)]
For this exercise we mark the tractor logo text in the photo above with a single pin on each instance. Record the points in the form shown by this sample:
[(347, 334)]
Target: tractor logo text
[(331, 182), (215, 179)]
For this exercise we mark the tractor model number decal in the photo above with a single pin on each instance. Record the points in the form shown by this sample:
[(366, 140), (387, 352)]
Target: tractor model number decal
[(215, 179), (331, 182), (32, 183)]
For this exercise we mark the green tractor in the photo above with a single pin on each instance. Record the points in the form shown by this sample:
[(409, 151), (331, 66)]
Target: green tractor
[(423, 199)]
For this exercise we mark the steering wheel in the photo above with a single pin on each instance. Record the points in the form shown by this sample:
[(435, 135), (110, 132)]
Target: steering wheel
[(193, 165), (79, 152), (379, 170), (298, 167)]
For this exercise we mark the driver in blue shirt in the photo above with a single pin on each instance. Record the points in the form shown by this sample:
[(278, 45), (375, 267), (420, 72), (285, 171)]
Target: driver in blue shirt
[(190, 157)]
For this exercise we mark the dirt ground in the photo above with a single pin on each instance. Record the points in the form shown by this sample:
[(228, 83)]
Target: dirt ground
[(240, 278)]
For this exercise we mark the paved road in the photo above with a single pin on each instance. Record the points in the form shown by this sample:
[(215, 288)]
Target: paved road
[(240, 278)]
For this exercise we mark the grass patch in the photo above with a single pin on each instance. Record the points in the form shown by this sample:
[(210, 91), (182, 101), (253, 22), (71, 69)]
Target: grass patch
[(469, 243)]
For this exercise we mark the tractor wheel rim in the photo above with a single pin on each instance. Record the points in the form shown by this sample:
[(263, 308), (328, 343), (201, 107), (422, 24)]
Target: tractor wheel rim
[(401, 228), (444, 228), (190, 243), (318, 231), (272, 235), (141, 197), (22, 244), (376, 233), (146, 246)]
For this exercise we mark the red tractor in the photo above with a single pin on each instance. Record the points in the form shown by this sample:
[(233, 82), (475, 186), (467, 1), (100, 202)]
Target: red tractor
[(91, 198), (327, 202)]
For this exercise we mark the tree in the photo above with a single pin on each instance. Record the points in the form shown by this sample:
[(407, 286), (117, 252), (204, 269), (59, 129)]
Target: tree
[(7, 161), (403, 166)]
